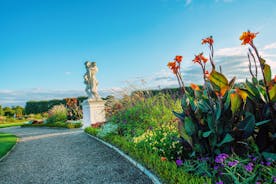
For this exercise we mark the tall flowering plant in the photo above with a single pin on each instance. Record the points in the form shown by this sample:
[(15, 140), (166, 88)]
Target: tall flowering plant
[(73, 110), (216, 116)]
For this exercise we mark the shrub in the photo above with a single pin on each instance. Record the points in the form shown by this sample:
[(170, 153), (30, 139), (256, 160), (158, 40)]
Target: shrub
[(107, 129), (144, 113), (57, 113), (162, 140)]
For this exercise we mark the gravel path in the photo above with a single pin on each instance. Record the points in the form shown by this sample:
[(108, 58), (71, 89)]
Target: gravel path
[(45, 155)]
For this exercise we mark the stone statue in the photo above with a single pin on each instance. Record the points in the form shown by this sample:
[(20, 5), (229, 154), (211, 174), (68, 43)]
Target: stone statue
[(91, 81)]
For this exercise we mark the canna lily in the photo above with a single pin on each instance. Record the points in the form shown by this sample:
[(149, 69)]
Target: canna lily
[(247, 37), (195, 87), (173, 66), (208, 40), (178, 59), (200, 58)]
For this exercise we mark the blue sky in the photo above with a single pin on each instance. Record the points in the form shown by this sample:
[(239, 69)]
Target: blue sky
[(44, 44)]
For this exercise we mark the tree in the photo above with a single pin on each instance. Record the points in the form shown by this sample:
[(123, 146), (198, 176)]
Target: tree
[(8, 111), (19, 111)]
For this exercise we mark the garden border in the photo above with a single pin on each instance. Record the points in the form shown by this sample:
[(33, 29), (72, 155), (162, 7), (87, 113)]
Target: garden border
[(153, 178), (17, 140)]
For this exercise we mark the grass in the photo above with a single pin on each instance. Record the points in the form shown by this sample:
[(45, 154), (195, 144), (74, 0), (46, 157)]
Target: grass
[(6, 143), (5, 125)]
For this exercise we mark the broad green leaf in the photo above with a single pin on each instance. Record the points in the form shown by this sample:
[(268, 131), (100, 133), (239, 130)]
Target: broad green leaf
[(248, 124), (206, 134), (181, 116), (252, 89), (235, 102), (211, 123), (255, 81), (272, 93), (228, 138), (189, 126), (267, 73), (218, 79), (218, 110), (269, 156), (263, 122)]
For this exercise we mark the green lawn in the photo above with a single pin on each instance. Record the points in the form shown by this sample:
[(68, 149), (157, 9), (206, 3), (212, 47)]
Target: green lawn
[(5, 125), (6, 143)]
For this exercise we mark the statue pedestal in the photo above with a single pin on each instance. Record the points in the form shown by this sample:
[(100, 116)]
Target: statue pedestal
[(93, 112)]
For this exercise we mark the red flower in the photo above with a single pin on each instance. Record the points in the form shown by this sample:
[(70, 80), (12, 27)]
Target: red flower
[(163, 158), (208, 40), (247, 37), (200, 58), (178, 59), (173, 66)]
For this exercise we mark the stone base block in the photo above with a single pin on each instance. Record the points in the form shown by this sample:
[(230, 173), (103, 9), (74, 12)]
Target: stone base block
[(93, 112)]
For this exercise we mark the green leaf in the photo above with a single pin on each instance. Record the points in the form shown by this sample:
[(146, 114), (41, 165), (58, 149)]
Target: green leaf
[(181, 116), (189, 126), (269, 156), (267, 73), (217, 79), (228, 138), (211, 123), (218, 110), (272, 93), (248, 124), (206, 134), (235, 102), (204, 106), (263, 122), (252, 89), (255, 81)]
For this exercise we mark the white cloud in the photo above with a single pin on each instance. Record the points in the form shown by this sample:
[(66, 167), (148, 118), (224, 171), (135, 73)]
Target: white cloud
[(232, 51), (68, 73), (270, 46)]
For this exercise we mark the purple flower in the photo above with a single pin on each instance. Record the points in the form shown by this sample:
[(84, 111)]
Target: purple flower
[(221, 157), (249, 167), (216, 167), (233, 164), (258, 182), (274, 179), (219, 182), (268, 163), (179, 162)]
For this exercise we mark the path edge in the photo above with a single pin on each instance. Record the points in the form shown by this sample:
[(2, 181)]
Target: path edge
[(6, 155), (149, 174)]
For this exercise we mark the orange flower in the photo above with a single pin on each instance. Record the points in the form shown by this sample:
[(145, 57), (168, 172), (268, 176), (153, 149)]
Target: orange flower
[(247, 37), (208, 40), (275, 78), (195, 87), (178, 59), (199, 58), (173, 66), (163, 158)]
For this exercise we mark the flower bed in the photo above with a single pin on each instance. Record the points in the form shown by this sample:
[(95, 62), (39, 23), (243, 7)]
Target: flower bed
[(225, 132)]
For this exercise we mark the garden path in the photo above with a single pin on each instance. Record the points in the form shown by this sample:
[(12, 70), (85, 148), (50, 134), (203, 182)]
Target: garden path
[(47, 155)]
